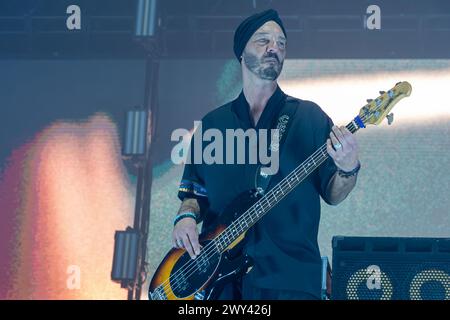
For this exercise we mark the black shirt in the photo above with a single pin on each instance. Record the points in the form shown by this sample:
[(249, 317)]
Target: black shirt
[(283, 243)]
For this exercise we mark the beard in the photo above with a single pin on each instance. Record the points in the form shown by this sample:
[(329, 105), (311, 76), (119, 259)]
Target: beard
[(264, 70)]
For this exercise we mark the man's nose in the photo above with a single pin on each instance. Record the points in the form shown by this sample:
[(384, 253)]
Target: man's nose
[(273, 47)]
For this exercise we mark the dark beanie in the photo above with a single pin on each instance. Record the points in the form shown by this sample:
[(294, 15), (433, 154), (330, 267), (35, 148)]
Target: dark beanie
[(248, 27)]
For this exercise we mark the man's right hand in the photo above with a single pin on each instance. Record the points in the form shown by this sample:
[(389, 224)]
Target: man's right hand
[(185, 236)]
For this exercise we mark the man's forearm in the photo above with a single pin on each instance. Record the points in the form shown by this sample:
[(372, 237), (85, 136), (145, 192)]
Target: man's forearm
[(190, 205), (339, 188)]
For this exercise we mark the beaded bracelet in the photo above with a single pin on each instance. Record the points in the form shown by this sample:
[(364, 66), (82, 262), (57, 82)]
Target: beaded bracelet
[(347, 174), (185, 215)]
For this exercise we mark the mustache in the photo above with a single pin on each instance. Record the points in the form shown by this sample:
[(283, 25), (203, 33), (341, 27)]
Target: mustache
[(271, 55)]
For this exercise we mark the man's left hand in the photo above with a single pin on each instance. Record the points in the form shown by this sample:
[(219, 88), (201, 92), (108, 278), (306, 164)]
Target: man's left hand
[(343, 148)]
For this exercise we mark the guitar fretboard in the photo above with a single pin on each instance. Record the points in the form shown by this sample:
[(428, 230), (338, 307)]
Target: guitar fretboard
[(275, 195)]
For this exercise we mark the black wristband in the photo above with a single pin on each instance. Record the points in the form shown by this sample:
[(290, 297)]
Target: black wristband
[(185, 215), (347, 174)]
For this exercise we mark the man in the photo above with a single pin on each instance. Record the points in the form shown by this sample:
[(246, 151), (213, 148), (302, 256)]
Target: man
[(283, 244)]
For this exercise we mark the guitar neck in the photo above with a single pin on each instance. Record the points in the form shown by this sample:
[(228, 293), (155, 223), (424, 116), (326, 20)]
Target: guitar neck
[(277, 193)]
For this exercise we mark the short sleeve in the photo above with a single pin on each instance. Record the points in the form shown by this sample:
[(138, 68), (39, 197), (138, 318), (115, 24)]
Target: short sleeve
[(327, 169)]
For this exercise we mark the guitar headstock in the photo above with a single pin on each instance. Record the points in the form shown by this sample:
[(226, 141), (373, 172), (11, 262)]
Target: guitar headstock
[(376, 110)]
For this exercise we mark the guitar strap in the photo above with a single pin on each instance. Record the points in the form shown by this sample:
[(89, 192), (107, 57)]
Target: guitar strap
[(285, 117)]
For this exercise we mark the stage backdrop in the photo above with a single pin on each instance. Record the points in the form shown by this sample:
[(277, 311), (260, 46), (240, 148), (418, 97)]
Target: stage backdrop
[(64, 188)]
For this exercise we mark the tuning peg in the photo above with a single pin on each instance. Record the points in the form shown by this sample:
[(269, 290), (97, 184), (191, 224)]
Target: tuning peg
[(390, 118), (369, 100), (382, 92)]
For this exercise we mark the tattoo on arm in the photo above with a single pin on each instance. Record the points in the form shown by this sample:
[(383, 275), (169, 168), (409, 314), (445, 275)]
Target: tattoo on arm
[(339, 188)]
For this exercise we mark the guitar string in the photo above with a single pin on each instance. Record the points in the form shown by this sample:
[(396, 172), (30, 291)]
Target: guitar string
[(209, 252), (276, 190), (209, 248)]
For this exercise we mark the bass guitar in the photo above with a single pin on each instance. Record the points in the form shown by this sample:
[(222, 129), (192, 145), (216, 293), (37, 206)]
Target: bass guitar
[(179, 277)]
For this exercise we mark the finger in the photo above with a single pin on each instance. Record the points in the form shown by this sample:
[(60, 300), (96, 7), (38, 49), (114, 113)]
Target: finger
[(349, 137), (338, 151), (346, 132), (330, 149), (188, 246), (174, 240), (178, 238), (345, 136), (179, 243), (174, 243), (339, 135), (193, 238), (336, 131), (335, 141)]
